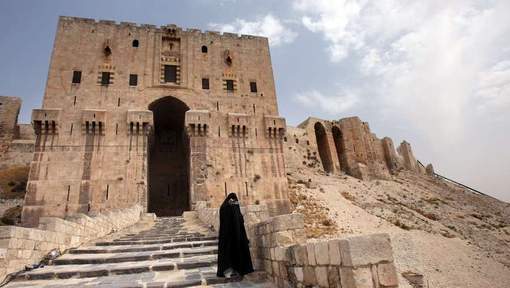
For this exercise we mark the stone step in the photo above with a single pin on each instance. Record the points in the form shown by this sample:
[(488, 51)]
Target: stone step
[(133, 256), (178, 278), (141, 248), (162, 236), (107, 269), (160, 241)]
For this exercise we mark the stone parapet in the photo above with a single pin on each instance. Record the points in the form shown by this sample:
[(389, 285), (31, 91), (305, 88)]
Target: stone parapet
[(279, 248), (252, 214), (269, 240), (20, 246)]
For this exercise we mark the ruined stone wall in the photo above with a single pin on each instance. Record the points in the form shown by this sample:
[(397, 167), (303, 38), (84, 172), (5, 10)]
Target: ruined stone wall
[(9, 110), (279, 248), (16, 140), (94, 140), (349, 147)]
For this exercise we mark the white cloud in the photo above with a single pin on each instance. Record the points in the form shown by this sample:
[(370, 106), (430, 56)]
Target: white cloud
[(440, 67), (267, 26), (493, 90), (333, 105)]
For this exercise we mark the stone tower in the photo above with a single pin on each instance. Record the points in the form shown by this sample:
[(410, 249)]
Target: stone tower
[(158, 116)]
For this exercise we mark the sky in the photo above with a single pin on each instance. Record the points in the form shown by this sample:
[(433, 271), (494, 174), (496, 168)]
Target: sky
[(435, 73)]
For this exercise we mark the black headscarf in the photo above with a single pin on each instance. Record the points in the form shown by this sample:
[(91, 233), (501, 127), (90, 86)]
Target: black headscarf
[(233, 249)]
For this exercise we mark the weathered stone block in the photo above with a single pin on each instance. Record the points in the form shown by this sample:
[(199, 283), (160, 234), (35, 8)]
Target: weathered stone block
[(276, 268), (322, 253), (299, 255), (310, 250), (334, 252), (298, 272), (334, 277), (387, 274), (283, 270), (268, 267), (283, 238), (321, 274), (280, 254), (309, 275), (288, 222), (365, 250), (363, 277), (346, 277)]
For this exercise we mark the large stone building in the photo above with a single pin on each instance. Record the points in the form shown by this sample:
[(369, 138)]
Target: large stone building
[(160, 116), (166, 118)]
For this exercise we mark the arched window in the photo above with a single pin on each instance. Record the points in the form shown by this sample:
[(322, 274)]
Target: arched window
[(204, 49), (136, 43)]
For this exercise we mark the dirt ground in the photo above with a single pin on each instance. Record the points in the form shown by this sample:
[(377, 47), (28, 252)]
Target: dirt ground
[(452, 237)]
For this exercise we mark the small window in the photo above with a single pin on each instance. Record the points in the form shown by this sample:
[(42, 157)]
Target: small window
[(105, 78), (133, 80), (76, 77), (205, 83), (107, 51), (136, 43), (253, 87), (204, 49), (171, 73), (230, 85)]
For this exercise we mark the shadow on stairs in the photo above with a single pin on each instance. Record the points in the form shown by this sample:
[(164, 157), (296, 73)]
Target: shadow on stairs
[(170, 254)]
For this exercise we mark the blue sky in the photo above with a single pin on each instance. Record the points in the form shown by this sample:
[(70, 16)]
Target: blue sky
[(436, 73)]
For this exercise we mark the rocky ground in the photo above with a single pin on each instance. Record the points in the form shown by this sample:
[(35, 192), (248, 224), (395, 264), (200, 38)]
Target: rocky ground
[(453, 237), (13, 181)]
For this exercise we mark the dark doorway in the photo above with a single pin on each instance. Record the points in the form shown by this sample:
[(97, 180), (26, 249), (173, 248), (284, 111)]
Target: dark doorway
[(339, 145), (169, 160), (323, 147)]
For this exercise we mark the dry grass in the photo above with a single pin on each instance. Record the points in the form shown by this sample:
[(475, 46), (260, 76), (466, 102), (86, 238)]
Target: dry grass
[(348, 196), (317, 221), (13, 182)]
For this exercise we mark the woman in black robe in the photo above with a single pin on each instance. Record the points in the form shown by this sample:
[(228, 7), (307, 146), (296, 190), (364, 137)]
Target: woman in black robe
[(233, 251)]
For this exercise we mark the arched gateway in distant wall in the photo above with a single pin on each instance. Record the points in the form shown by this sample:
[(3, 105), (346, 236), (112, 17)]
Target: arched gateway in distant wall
[(147, 115)]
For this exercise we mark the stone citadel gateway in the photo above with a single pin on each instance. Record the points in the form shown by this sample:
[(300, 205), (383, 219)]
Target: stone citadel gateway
[(139, 121), (165, 118)]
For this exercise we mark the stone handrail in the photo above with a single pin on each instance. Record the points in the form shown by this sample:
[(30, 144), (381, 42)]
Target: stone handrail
[(20, 246)]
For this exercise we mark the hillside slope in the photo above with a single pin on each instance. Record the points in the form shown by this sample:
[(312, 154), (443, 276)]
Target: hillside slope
[(453, 237)]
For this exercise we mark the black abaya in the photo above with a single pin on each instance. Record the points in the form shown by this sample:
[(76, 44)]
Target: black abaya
[(233, 249)]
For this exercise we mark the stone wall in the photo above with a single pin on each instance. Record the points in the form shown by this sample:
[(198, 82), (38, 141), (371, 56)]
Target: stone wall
[(347, 146), (278, 247), (252, 214), (95, 140), (269, 240), (9, 110), (16, 140), (20, 246)]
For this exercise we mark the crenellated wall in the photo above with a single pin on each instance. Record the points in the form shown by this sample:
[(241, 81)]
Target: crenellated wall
[(160, 116)]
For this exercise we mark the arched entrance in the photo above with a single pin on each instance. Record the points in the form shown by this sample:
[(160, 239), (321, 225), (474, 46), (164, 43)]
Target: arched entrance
[(323, 147), (169, 159), (339, 145)]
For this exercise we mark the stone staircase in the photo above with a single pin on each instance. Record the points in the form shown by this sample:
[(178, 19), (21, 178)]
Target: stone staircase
[(175, 252)]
